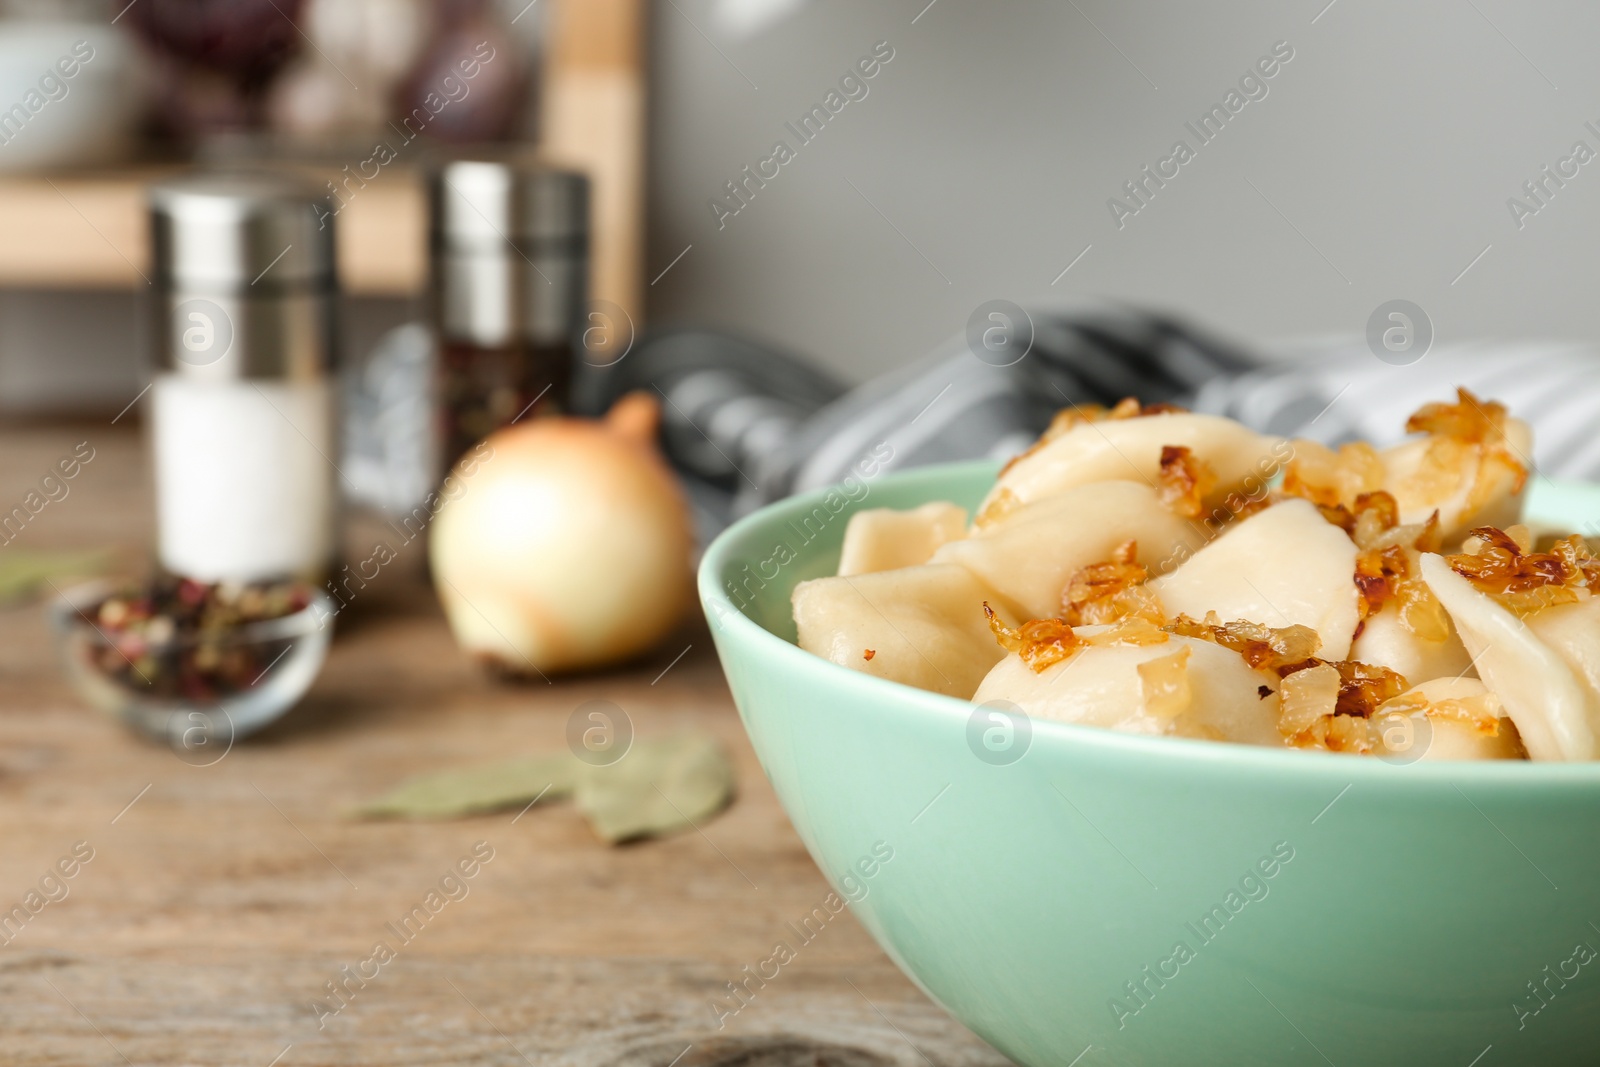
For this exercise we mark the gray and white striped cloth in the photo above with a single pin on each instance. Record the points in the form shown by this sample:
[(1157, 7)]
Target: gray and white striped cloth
[(747, 426)]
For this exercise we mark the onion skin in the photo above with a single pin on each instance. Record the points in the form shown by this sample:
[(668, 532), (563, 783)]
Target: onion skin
[(569, 547)]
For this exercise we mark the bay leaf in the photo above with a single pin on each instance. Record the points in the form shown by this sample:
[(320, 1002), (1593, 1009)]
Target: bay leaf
[(25, 573), (658, 788), (473, 790)]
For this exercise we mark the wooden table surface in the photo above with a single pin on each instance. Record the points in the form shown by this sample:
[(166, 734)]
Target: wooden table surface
[(220, 900)]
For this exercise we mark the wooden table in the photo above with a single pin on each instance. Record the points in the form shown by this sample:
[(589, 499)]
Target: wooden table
[(220, 900)]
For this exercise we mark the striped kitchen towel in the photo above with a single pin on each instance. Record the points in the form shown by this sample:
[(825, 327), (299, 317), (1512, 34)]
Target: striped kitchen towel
[(746, 425)]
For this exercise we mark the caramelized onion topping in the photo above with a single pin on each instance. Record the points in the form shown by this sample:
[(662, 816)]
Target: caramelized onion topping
[(1109, 591), (1040, 643), (1468, 419), (1184, 480), (1003, 504), (1526, 581), (1386, 566), (1481, 711), (1164, 684), (1332, 479), (1263, 647), (1459, 431)]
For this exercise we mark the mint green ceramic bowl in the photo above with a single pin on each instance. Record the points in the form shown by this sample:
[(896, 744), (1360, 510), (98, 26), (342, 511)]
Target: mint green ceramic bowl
[(1109, 899)]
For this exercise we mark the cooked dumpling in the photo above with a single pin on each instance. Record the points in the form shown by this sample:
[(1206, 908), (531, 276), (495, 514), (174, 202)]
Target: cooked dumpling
[(1386, 641), (1130, 450), (883, 539), (1031, 553), (1470, 465), (1573, 631), (1447, 719), (1182, 686), (1555, 712), (1468, 484), (923, 626), (1285, 566)]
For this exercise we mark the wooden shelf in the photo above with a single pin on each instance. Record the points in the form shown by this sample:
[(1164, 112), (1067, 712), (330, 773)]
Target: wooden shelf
[(91, 231)]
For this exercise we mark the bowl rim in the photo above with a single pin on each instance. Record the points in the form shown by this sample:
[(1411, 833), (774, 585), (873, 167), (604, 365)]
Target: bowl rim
[(1339, 770)]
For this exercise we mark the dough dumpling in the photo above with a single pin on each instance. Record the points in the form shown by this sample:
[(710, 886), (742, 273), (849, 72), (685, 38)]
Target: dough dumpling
[(1218, 697), (1461, 501), (1444, 737), (1385, 641), (1030, 554), (1573, 632), (923, 626), (1285, 566), (1554, 710), (883, 539), (1130, 450)]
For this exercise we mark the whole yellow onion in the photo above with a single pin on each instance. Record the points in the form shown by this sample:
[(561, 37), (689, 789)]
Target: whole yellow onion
[(569, 544)]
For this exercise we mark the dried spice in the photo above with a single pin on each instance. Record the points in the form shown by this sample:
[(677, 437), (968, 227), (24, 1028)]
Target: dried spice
[(657, 788), (473, 790), (1184, 480), (177, 637)]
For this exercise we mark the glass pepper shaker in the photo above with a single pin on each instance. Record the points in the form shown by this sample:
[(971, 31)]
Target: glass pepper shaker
[(510, 258), (243, 401)]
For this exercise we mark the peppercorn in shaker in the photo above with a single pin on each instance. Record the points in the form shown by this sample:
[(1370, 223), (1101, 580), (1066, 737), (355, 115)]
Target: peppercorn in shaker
[(243, 403), (510, 262)]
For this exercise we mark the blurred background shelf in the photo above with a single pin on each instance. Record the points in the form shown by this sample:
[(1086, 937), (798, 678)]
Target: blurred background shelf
[(88, 231), (74, 232)]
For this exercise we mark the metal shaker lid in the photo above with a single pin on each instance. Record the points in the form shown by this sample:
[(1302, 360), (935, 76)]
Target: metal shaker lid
[(502, 204), (228, 232), (510, 244)]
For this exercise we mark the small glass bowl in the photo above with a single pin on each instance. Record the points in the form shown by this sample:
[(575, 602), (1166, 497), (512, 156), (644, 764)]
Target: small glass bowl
[(292, 647)]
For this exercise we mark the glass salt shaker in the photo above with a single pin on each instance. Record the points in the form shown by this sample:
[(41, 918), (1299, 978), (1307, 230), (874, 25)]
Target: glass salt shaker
[(244, 400)]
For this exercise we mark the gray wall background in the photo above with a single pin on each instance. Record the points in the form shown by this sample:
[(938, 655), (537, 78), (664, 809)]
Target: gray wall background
[(1377, 167)]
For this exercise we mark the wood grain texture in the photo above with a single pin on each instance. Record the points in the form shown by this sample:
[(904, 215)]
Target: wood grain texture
[(219, 904)]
